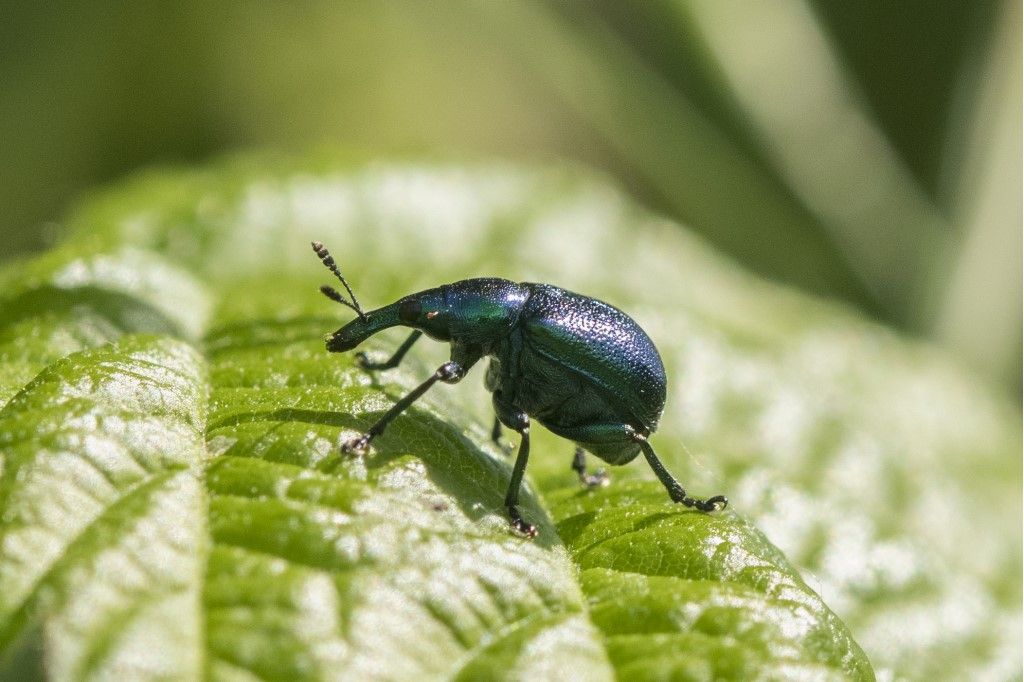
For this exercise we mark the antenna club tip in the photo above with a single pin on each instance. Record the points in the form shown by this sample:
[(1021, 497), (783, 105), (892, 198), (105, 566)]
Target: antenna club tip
[(330, 293)]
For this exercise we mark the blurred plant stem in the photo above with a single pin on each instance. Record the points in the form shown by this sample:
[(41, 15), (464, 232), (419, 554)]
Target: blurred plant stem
[(672, 147), (827, 148), (984, 286)]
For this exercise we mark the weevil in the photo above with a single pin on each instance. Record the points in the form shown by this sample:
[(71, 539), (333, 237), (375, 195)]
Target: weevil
[(579, 366)]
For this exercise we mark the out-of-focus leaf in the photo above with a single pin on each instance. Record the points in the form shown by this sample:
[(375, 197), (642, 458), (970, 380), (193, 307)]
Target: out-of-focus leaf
[(915, 62), (73, 298), (676, 149)]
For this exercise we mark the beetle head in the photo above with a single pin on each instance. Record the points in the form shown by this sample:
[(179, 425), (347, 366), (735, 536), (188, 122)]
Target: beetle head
[(425, 310), (475, 311)]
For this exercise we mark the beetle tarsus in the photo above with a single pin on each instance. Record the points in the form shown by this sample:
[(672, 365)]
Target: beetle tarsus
[(598, 479), (358, 445), (676, 491), (519, 526), (712, 504)]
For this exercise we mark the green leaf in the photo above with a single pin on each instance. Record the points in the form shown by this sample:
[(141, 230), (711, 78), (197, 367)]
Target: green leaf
[(74, 298), (174, 502), (103, 529), (661, 582)]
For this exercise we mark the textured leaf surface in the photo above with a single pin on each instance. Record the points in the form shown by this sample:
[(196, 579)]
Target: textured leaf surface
[(102, 542), (71, 299), (222, 521)]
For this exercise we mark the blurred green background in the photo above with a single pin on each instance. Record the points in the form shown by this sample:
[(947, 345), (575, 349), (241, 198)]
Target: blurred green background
[(866, 151)]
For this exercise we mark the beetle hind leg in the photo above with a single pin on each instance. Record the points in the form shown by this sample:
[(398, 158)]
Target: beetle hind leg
[(676, 491), (598, 479)]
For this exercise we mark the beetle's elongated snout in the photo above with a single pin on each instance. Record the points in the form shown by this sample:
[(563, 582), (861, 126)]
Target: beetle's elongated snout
[(360, 329), (345, 339)]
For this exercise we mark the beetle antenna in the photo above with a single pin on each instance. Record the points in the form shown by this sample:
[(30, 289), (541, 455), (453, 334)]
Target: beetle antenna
[(328, 260)]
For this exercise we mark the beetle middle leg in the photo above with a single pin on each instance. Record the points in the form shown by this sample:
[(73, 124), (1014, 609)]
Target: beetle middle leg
[(597, 479), (450, 373), (363, 360), (522, 425)]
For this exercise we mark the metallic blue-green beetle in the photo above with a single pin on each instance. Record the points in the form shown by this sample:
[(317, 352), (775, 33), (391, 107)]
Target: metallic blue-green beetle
[(582, 368)]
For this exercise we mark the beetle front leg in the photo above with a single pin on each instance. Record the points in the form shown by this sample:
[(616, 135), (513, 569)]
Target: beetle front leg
[(512, 496), (450, 373), (363, 360), (598, 479)]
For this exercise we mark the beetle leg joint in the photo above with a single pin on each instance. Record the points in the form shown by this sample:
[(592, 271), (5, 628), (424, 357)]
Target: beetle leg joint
[(450, 372), (635, 435)]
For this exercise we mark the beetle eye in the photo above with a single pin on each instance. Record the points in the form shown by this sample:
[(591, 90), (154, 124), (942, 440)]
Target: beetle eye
[(409, 311)]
